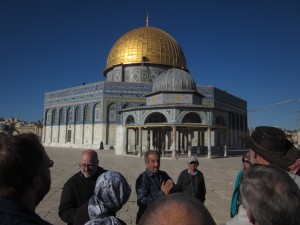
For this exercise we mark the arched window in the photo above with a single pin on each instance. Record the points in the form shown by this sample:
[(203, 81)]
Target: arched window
[(54, 117), (87, 114), (62, 116), (191, 118), (97, 112), (156, 118), (112, 113), (70, 115), (78, 114), (48, 116), (130, 120)]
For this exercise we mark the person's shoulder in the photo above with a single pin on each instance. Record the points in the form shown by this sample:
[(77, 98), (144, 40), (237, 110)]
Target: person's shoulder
[(143, 174), (141, 178), (100, 170), (74, 178), (164, 173), (200, 172), (184, 171), (240, 173)]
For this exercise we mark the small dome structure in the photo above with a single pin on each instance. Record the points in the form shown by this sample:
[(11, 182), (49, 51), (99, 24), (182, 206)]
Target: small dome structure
[(174, 80)]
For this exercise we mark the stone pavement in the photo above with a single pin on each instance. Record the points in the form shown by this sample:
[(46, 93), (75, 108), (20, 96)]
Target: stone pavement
[(219, 174)]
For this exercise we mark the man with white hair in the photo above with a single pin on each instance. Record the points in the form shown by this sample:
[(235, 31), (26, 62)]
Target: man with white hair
[(270, 196)]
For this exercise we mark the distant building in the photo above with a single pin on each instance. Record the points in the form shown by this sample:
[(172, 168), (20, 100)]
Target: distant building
[(148, 101), (13, 126)]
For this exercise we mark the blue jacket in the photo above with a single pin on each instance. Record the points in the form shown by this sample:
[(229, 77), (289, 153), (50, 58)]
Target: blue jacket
[(234, 207), (13, 213)]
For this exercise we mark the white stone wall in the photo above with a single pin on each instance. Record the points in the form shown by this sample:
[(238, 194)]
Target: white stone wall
[(62, 134), (87, 134), (78, 134), (99, 134), (120, 141)]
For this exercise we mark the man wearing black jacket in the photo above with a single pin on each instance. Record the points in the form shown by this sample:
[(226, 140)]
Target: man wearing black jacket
[(191, 180), (80, 187), (152, 184)]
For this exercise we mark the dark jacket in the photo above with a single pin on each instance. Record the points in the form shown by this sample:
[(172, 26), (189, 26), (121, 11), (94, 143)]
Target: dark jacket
[(148, 189), (13, 213), (77, 191), (193, 185)]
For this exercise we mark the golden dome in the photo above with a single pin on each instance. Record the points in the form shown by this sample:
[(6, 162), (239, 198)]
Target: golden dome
[(149, 45)]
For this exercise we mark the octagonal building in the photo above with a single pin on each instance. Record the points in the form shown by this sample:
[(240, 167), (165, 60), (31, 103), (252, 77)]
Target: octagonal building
[(149, 100)]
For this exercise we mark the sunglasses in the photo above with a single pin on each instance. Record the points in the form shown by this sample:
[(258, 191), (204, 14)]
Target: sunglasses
[(193, 162), (246, 161), (51, 163)]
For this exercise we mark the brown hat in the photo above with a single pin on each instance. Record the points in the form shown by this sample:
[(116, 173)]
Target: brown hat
[(272, 144)]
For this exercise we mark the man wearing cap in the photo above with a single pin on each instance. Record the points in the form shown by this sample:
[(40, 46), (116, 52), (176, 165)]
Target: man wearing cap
[(269, 145), (191, 180)]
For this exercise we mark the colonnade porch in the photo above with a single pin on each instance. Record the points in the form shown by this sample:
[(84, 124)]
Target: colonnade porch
[(178, 140)]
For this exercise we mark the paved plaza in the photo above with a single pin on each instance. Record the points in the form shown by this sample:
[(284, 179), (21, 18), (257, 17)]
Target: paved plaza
[(219, 174)]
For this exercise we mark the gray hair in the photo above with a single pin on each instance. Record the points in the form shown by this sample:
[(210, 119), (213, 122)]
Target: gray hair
[(151, 152), (270, 195)]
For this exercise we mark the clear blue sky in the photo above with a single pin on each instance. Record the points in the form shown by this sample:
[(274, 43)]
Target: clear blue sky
[(251, 49)]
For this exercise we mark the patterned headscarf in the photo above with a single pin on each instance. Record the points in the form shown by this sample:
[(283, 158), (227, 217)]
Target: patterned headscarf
[(111, 192)]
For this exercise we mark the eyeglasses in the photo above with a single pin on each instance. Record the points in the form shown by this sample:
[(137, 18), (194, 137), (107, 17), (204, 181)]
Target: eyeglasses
[(246, 161), (193, 162), (51, 163), (89, 166)]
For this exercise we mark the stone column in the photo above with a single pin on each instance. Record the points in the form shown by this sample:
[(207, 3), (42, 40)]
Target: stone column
[(226, 142), (154, 139), (173, 147), (186, 142), (209, 143), (135, 141), (125, 147), (163, 140), (148, 140), (198, 142), (189, 142), (140, 142)]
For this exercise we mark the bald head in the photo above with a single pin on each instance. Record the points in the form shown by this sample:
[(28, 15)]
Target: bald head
[(89, 162), (177, 209), (90, 154)]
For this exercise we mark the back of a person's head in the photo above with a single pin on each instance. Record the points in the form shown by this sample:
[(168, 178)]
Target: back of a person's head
[(177, 209), (21, 156), (112, 191), (270, 195)]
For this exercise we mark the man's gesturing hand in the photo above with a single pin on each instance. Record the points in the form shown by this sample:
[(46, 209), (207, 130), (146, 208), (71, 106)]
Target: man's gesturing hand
[(166, 186)]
